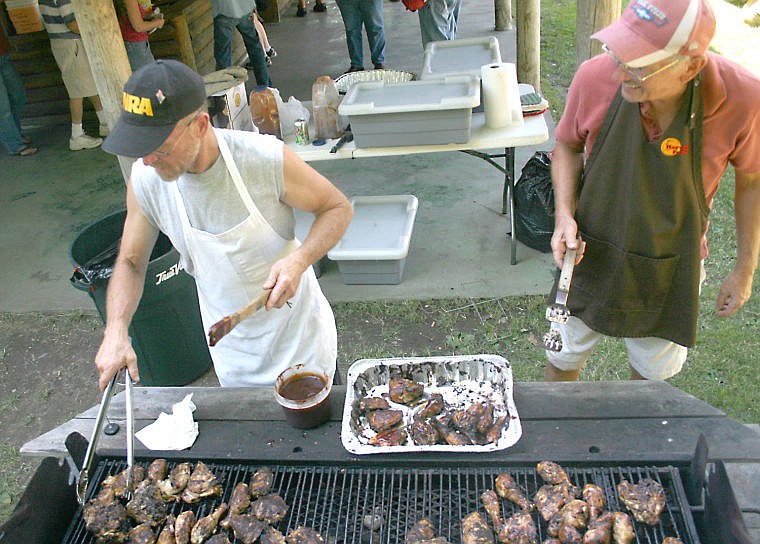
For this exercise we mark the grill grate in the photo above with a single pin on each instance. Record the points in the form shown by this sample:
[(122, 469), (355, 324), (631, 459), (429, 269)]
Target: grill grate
[(335, 500)]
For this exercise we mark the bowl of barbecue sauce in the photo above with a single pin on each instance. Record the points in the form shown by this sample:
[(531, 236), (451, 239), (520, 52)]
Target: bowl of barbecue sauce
[(303, 391)]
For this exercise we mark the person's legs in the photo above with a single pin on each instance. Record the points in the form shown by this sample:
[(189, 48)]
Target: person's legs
[(455, 6), (12, 98), (76, 108), (301, 12), (372, 15), (578, 341), (139, 54), (655, 358), (223, 28), (352, 22), (256, 57), (263, 38)]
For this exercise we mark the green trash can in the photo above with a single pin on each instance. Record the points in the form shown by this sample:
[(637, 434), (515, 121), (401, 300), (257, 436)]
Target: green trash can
[(166, 331)]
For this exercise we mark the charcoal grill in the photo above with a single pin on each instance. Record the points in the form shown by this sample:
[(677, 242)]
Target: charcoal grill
[(336, 500)]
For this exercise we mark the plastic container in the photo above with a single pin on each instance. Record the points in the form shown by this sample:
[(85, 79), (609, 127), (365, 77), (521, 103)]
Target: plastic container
[(459, 57), (264, 112), (166, 330), (303, 391), (413, 113), (324, 102), (376, 244)]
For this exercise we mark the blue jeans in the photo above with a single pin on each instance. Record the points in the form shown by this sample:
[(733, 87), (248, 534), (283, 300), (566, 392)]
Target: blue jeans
[(223, 27), (139, 54), (369, 13), (12, 100), (438, 20)]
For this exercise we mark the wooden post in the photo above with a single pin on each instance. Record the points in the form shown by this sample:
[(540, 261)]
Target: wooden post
[(592, 15), (102, 39), (529, 42), (502, 14)]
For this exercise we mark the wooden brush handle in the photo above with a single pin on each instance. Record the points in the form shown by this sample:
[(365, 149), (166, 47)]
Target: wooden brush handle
[(222, 327), (252, 307)]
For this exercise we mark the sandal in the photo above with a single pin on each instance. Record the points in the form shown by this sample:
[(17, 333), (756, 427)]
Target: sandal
[(26, 151), (26, 139)]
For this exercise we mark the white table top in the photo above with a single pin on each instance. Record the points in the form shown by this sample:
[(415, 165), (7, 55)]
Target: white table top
[(533, 131)]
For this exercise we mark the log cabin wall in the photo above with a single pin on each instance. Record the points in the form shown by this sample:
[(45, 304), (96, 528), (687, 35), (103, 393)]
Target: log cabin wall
[(187, 36)]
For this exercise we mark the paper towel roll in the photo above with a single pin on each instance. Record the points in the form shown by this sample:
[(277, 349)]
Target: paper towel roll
[(501, 95)]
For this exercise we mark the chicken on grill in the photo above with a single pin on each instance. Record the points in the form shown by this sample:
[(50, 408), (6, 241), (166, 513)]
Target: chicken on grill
[(622, 528), (304, 535), (206, 526), (421, 531), (672, 540), (599, 529), (382, 420), (518, 528), (240, 500), (551, 498), (173, 486), (219, 538), (551, 472), (261, 482), (594, 497), (271, 536), (507, 488), (147, 504), (570, 535), (202, 483), (423, 433), (404, 391), (367, 404), (246, 527), (184, 526), (491, 503), (166, 536), (141, 534), (157, 470), (269, 508), (391, 437), (118, 482), (574, 513), (475, 530), (105, 516), (645, 500)]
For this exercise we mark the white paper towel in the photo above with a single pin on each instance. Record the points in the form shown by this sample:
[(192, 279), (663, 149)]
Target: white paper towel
[(171, 432), (501, 95)]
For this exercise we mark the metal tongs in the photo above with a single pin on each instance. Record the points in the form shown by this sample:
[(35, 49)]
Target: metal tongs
[(84, 475), (558, 311)]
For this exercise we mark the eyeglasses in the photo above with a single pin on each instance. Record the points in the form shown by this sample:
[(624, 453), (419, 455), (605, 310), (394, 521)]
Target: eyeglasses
[(639, 74), (164, 154)]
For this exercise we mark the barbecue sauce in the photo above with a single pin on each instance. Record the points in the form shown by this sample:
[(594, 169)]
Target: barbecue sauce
[(301, 389)]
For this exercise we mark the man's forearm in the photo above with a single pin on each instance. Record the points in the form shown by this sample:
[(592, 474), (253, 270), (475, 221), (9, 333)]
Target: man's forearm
[(326, 231), (567, 166), (746, 206), (125, 289)]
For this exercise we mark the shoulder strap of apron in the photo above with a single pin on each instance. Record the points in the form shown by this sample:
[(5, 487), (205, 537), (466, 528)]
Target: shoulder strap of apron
[(236, 177)]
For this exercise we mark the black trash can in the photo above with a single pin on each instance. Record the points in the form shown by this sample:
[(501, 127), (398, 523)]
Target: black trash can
[(166, 330)]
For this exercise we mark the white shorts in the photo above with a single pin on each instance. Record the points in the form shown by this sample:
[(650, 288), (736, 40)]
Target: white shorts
[(75, 68)]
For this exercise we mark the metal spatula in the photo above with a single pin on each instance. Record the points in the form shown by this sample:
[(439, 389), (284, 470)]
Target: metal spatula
[(558, 312)]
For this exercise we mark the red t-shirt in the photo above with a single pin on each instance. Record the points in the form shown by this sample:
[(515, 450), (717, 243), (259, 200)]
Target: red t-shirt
[(128, 33), (731, 103)]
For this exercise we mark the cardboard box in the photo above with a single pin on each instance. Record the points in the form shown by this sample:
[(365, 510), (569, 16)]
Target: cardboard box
[(229, 109), (26, 19)]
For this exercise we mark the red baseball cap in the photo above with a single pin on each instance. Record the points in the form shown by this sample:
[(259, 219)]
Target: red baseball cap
[(650, 31)]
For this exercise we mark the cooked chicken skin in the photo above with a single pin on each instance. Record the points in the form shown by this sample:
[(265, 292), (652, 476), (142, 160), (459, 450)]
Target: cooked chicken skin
[(404, 391), (551, 472), (118, 482), (645, 500), (142, 534), (381, 420), (104, 515), (304, 535), (270, 508), (368, 404), (184, 526), (551, 498), (599, 529), (672, 540), (271, 536), (147, 504), (432, 407), (507, 488), (420, 531), (261, 482), (574, 513), (453, 437), (157, 470), (594, 497), (475, 530), (622, 528), (219, 538), (519, 528), (246, 527), (202, 483), (570, 535), (423, 433), (391, 437), (491, 503), (166, 536), (240, 499), (206, 526)]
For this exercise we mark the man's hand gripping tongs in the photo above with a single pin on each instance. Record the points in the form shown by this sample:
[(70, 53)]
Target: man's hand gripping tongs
[(84, 474), (558, 312)]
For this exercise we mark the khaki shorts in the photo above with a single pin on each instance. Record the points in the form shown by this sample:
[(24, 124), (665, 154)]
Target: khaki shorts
[(75, 67)]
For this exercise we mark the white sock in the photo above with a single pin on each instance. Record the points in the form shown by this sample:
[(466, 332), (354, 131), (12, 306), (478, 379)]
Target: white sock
[(102, 117), (76, 130)]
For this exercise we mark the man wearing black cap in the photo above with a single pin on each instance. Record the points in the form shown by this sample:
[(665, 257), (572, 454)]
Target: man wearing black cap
[(225, 199), (648, 129)]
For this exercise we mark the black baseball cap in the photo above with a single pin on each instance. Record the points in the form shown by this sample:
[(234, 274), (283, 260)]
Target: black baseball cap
[(155, 98)]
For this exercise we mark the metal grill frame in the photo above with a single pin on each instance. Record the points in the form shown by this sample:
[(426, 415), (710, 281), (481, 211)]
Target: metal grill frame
[(334, 500)]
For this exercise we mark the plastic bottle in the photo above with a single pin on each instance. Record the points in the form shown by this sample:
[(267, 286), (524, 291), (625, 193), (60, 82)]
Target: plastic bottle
[(264, 112), (325, 101)]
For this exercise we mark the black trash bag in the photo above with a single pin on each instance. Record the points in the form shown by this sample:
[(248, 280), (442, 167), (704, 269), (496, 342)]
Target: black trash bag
[(97, 269), (534, 203), (262, 5)]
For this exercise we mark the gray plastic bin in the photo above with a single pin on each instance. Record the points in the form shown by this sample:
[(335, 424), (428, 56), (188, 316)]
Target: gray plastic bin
[(412, 113)]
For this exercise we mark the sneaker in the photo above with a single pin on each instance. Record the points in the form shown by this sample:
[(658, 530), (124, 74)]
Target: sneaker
[(301, 12), (84, 142), (104, 131), (379, 66), (320, 7), (271, 52), (354, 69)]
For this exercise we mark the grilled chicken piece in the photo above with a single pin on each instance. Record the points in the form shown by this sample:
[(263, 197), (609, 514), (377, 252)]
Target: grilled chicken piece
[(507, 488), (304, 535), (645, 500), (390, 437), (261, 482), (432, 407), (570, 535), (367, 404), (486, 419), (219, 538), (552, 541), (118, 482), (421, 531), (246, 527), (453, 437), (518, 528), (594, 497), (574, 513), (271, 536), (381, 420), (404, 391), (551, 472), (240, 500), (270, 508), (184, 526), (157, 470), (622, 528), (494, 433), (475, 530), (672, 540), (599, 529), (466, 420), (141, 534), (491, 503), (105, 516), (173, 486), (423, 433), (206, 526), (551, 498), (166, 536), (202, 483), (147, 504)]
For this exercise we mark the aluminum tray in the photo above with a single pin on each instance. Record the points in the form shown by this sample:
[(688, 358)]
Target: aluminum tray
[(462, 380)]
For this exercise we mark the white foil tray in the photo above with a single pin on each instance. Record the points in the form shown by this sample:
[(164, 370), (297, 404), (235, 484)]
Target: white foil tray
[(461, 379)]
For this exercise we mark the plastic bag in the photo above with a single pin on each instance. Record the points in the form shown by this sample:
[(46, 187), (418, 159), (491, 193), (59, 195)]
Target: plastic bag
[(290, 112), (534, 203)]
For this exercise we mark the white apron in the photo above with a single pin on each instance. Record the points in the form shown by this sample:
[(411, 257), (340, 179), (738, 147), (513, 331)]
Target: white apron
[(230, 269)]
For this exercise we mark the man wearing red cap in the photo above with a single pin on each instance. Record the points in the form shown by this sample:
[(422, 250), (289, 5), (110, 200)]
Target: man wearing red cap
[(648, 129)]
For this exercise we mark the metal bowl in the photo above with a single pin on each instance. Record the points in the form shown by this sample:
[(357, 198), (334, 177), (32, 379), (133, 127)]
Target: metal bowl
[(344, 82)]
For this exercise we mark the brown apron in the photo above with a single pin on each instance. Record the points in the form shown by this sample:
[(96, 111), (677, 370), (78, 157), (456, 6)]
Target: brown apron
[(642, 212)]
